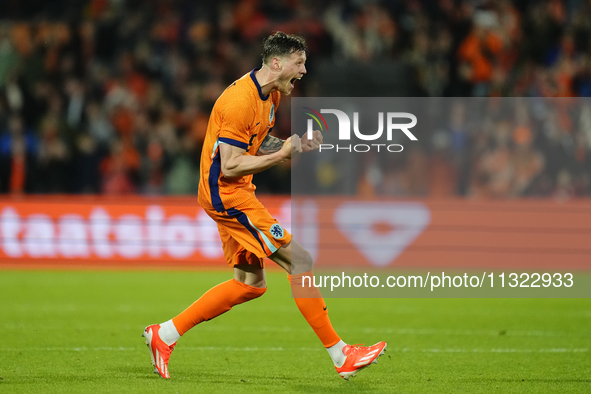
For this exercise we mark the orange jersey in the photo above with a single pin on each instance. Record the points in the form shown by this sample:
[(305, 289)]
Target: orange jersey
[(242, 116)]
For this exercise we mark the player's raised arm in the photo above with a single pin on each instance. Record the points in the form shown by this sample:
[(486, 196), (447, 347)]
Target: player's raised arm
[(273, 144), (235, 163)]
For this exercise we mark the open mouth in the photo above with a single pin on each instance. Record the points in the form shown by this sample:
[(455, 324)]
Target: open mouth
[(292, 81)]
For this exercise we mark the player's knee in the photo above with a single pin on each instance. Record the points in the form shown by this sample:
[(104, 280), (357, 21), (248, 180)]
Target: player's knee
[(304, 261), (250, 282)]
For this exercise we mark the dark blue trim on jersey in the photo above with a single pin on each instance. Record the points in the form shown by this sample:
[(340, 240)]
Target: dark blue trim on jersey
[(214, 188), (243, 219), (230, 141), (256, 83)]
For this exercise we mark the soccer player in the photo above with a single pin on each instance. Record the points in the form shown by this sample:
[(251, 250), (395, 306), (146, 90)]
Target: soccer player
[(237, 145)]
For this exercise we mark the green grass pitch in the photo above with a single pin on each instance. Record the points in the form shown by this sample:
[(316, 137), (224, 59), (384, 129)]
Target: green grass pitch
[(79, 331)]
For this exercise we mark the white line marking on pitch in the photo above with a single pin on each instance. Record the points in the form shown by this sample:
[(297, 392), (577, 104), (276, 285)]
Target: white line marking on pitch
[(281, 349), (414, 331)]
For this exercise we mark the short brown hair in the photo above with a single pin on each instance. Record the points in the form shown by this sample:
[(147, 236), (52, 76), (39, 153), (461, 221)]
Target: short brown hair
[(281, 44)]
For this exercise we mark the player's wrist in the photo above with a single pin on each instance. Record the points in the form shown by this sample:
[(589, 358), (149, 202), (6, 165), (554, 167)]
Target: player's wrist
[(280, 157)]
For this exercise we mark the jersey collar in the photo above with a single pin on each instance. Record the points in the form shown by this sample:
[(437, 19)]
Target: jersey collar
[(256, 83)]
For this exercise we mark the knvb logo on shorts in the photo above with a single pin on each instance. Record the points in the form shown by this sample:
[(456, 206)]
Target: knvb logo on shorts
[(393, 123), (276, 231)]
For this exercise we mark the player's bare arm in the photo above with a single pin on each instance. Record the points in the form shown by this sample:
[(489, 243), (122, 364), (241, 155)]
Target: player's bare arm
[(235, 163), (273, 144)]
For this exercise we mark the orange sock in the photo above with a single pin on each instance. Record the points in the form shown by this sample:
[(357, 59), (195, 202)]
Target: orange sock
[(214, 302), (311, 304)]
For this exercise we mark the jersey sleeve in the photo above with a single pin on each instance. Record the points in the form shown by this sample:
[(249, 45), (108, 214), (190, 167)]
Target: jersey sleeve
[(237, 117)]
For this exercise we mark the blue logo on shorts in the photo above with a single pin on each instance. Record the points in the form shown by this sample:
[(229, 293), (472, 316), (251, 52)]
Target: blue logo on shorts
[(276, 231)]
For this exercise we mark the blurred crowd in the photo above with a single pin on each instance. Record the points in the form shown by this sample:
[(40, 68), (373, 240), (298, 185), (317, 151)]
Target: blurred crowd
[(488, 148), (113, 96)]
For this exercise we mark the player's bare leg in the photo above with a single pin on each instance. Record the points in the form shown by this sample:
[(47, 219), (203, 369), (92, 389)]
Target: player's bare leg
[(250, 275), (347, 359)]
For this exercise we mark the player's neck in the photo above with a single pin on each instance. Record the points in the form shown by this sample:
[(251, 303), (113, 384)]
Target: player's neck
[(266, 79)]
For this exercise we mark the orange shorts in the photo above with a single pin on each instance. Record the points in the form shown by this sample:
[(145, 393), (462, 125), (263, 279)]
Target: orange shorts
[(249, 233)]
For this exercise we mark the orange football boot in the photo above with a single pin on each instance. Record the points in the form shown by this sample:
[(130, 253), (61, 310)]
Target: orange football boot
[(359, 357), (159, 351)]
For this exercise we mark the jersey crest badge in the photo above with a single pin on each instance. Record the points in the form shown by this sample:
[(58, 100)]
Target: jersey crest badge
[(276, 231)]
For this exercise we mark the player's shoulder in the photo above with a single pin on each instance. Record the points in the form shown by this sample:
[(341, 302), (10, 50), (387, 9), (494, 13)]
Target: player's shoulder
[(241, 89), (236, 98)]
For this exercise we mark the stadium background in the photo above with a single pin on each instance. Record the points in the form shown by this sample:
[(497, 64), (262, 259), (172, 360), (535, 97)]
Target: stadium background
[(111, 99)]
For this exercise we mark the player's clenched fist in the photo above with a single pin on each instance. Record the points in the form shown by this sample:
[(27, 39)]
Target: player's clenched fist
[(312, 144)]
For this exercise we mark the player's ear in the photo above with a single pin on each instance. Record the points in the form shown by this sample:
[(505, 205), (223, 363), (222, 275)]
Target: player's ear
[(276, 64)]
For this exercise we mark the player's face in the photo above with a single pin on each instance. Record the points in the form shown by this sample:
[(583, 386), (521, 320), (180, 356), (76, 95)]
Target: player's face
[(293, 69)]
